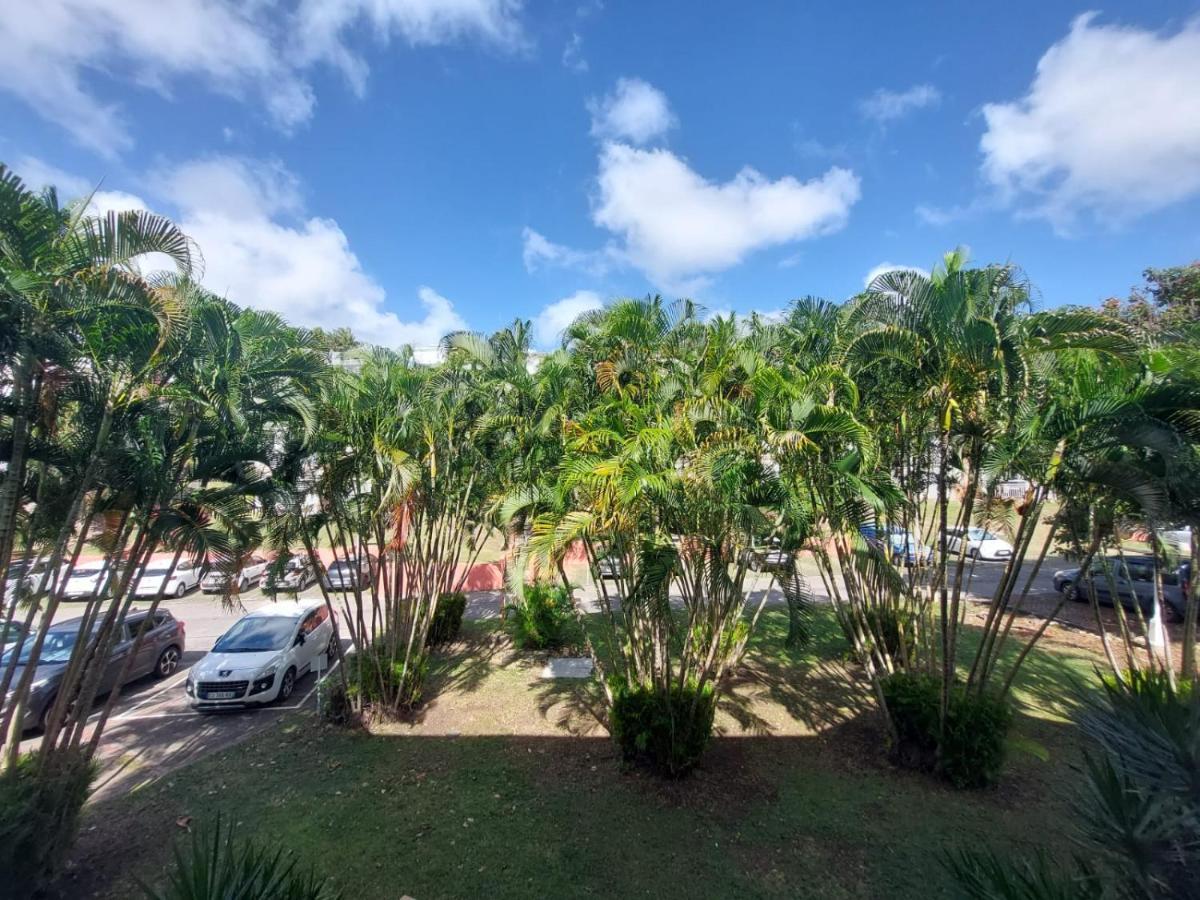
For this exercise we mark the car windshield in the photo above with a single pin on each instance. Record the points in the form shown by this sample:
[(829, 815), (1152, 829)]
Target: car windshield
[(255, 634), (293, 565), (56, 649), (86, 573), (980, 534), (343, 564), (162, 571)]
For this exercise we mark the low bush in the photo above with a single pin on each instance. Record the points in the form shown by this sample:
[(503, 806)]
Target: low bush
[(666, 730), (888, 625), (215, 864), (379, 680), (972, 752), (447, 618), (39, 818), (544, 620)]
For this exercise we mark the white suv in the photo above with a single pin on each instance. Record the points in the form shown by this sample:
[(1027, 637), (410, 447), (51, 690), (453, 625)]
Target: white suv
[(262, 656)]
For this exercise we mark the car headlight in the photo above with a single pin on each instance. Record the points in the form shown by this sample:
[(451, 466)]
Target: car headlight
[(267, 670)]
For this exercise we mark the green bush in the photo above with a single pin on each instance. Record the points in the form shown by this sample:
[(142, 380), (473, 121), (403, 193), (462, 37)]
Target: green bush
[(887, 624), (447, 618), (216, 865), (666, 730), (379, 680), (39, 818), (545, 620), (972, 753)]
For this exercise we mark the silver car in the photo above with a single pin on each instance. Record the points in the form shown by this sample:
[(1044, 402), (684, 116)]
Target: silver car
[(160, 653)]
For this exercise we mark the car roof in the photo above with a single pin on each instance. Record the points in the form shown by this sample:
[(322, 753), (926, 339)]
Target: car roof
[(134, 615), (285, 610)]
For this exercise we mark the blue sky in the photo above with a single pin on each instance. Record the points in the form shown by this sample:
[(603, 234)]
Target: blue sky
[(408, 167)]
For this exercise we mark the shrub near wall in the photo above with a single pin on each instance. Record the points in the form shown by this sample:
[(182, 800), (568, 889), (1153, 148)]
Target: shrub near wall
[(973, 751)]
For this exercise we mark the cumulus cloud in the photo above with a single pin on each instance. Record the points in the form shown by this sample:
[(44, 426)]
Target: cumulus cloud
[(1110, 125), (262, 249), (674, 224), (891, 267), (635, 111), (258, 52), (554, 318), (886, 106)]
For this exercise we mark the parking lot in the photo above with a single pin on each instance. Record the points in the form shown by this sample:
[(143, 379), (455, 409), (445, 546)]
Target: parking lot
[(154, 730)]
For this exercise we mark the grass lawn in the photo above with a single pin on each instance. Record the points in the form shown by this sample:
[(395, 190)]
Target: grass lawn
[(508, 787)]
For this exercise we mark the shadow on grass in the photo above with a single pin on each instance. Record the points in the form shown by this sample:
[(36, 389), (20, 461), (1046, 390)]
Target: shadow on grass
[(514, 816)]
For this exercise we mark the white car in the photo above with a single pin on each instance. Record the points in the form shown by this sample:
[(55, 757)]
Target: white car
[(1178, 540), (260, 658), (232, 577), (86, 579), (981, 543), (151, 581)]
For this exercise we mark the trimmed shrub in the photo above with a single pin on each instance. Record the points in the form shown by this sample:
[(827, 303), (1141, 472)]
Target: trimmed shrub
[(381, 681), (668, 731), (39, 818), (545, 620), (972, 753), (447, 618), (215, 864)]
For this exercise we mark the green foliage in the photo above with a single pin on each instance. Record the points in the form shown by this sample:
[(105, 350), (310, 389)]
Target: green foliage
[(971, 754), (984, 876), (887, 625), (39, 818), (544, 619), (447, 619), (378, 677), (667, 730), (217, 864)]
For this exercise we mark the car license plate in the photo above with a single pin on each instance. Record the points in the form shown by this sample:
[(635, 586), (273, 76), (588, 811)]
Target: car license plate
[(221, 695)]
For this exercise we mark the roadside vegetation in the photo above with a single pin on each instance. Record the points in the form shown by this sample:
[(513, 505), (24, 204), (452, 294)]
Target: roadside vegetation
[(841, 445)]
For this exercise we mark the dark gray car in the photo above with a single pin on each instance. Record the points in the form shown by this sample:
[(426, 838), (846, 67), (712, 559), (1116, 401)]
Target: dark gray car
[(1134, 582), (160, 653)]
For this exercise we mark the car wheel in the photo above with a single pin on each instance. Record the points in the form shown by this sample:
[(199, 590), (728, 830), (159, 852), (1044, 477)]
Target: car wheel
[(44, 715), (973, 552), (168, 662), (1071, 592), (243, 584), (331, 652), (286, 686), (181, 590)]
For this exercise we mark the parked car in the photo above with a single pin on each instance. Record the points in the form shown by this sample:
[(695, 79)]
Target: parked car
[(86, 581), (610, 566), (766, 559), (981, 543), (900, 546), (240, 575), (154, 578), (23, 577), (1178, 540), (348, 573), (11, 634), (159, 654), (1136, 586), (296, 575), (262, 656)]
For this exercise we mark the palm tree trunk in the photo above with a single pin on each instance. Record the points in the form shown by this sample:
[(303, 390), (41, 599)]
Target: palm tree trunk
[(14, 475)]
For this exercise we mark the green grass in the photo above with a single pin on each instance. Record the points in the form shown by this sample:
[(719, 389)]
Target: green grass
[(812, 812)]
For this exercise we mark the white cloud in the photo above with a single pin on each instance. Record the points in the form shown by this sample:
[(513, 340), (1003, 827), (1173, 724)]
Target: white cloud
[(554, 318), (675, 225), (54, 50), (635, 111), (572, 55), (261, 248), (1110, 125), (891, 267), (886, 106), (539, 251), (321, 26)]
